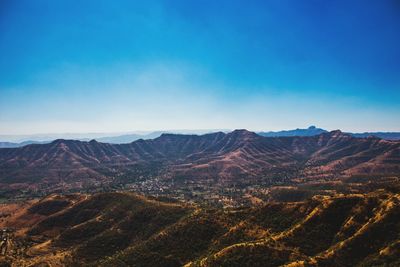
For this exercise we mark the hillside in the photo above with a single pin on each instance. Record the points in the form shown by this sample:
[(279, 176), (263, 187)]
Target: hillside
[(240, 156), (123, 229)]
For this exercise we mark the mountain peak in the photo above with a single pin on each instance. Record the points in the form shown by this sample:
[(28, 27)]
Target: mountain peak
[(243, 133), (64, 142), (59, 141), (173, 135), (338, 134)]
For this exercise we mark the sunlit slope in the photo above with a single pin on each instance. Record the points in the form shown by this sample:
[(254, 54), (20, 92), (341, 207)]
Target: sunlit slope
[(338, 231), (235, 156), (92, 228), (123, 229)]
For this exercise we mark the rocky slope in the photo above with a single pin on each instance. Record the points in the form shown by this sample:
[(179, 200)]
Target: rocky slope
[(122, 229), (237, 155)]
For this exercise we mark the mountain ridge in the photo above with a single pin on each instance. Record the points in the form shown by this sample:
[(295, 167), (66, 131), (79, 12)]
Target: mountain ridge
[(240, 154), (128, 138), (125, 229)]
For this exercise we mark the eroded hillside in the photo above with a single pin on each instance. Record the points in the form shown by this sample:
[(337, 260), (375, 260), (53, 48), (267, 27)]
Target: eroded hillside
[(237, 157), (124, 229)]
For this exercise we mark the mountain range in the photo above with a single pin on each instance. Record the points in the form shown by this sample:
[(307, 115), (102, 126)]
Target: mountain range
[(131, 137), (330, 199), (238, 156), (310, 131)]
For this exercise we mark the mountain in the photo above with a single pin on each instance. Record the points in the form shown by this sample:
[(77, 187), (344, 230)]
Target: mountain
[(124, 229), (382, 135), (24, 143), (118, 139), (310, 131), (115, 138), (240, 156), (127, 138)]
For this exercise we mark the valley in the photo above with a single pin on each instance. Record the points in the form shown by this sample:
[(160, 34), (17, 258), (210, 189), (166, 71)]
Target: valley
[(236, 199), (199, 133), (235, 169)]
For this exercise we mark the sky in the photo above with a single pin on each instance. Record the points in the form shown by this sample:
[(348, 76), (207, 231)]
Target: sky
[(116, 66)]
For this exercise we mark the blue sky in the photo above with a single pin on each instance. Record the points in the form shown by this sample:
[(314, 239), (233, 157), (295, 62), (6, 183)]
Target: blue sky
[(109, 66)]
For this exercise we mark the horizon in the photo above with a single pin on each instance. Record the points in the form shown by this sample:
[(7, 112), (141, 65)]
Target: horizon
[(144, 132), (104, 67)]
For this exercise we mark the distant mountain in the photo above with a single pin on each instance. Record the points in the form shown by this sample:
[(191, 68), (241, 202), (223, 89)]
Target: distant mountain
[(118, 139), (310, 131), (127, 138), (131, 137), (383, 135), (236, 156), (114, 138), (11, 144), (50, 137)]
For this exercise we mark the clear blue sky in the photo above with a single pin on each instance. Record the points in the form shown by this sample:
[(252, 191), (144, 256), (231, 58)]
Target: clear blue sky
[(109, 66)]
